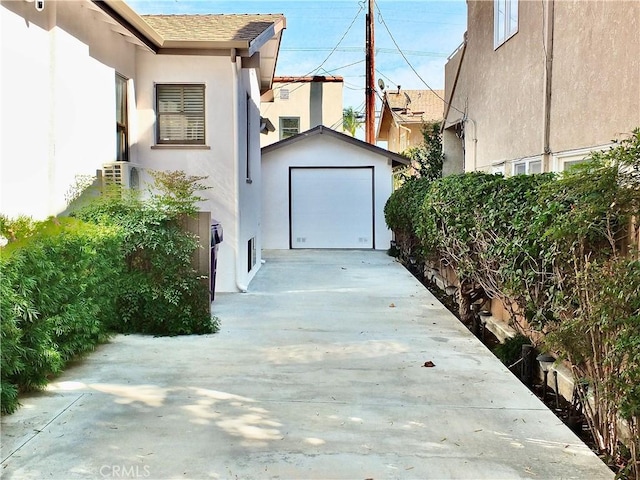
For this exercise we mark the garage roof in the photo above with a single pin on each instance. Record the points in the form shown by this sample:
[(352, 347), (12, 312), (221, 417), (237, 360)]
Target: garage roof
[(395, 158)]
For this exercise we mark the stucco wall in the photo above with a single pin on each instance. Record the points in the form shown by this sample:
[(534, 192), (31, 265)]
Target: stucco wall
[(402, 137), (57, 93), (594, 81), (231, 200), (302, 103), (319, 150), (501, 89), (597, 78)]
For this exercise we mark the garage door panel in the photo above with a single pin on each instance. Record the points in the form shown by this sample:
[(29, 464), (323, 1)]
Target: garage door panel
[(331, 207)]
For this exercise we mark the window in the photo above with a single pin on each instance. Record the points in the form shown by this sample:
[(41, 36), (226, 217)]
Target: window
[(284, 94), (528, 167), (180, 111), (505, 21), (251, 254), (122, 120), (248, 139), (289, 126)]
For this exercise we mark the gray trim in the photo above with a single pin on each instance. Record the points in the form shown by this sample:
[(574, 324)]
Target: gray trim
[(122, 21), (322, 130)]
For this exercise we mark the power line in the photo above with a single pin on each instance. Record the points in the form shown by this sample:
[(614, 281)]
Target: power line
[(360, 49), (332, 50), (344, 66), (341, 39), (383, 75), (409, 63)]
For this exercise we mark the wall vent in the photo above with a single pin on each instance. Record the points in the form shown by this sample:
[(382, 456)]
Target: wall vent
[(123, 174)]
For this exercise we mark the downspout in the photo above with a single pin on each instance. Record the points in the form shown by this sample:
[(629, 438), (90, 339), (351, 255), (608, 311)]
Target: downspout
[(475, 143), (236, 163), (548, 70)]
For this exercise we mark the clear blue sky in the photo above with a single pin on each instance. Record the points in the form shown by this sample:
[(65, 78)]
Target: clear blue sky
[(427, 31)]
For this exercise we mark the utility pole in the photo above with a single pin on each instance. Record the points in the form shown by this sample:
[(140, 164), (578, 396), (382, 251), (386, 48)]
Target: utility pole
[(370, 98)]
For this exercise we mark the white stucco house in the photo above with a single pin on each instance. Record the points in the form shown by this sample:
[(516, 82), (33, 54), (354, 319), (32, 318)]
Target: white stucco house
[(324, 189), (90, 86)]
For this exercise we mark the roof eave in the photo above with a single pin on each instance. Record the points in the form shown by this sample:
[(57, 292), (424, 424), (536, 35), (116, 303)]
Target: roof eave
[(130, 20), (395, 158)]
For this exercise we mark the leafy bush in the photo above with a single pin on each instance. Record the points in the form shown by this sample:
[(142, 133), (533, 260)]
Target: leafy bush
[(427, 158), (57, 293), (562, 249), (123, 265), (160, 291), (402, 212)]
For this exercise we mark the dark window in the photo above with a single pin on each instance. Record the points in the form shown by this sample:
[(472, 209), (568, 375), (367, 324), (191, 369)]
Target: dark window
[(251, 253), (122, 120), (289, 126), (248, 140), (180, 111)]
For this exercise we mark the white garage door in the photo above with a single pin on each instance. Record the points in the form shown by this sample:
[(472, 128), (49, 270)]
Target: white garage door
[(331, 207)]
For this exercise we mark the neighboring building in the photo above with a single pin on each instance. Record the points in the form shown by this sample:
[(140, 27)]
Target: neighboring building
[(403, 114), (326, 189), (297, 104), (538, 85), (92, 85)]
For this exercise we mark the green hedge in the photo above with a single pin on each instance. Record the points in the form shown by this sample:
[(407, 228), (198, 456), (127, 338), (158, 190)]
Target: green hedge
[(122, 265), (560, 247), (56, 296)]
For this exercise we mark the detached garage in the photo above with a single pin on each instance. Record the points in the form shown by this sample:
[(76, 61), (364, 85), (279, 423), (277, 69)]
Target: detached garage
[(324, 189)]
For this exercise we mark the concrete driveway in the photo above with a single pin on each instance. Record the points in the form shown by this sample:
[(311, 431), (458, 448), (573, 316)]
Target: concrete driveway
[(318, 373)]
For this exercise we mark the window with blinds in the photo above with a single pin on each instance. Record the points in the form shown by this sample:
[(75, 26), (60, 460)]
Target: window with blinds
[(180, 114)]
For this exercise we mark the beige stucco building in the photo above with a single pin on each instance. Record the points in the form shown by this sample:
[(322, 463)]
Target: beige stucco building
[(537, 85), (298, 104), (403, 114)]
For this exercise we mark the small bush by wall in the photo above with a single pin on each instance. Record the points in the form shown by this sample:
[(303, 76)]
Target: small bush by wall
[(160, 291)]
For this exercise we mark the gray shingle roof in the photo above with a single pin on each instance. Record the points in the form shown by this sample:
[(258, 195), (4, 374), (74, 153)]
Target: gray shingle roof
[(212, 28)]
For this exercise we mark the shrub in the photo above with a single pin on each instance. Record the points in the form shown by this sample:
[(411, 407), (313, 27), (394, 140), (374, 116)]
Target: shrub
[(160, 291), (57, 292), (402, 212), (563, 250)]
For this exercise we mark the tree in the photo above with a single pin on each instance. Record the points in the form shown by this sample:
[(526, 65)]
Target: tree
[(426, 158), (351, 121)]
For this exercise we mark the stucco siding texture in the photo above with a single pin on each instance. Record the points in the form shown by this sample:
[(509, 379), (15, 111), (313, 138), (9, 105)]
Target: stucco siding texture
[(58, 106), (596, 72), (503, 87), (217, 162), (595, 80)]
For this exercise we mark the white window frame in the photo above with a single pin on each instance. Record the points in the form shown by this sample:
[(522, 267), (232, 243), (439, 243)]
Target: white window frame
[(498, 169), (184, 113), (563, 160), (528, 165), (282, 129), (505, 21)]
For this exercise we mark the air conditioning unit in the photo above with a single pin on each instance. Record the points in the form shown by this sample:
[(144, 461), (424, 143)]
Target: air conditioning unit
[(124, 174)]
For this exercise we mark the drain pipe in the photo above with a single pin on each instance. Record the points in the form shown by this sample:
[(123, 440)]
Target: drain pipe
[(548, 71), (236, 163)]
